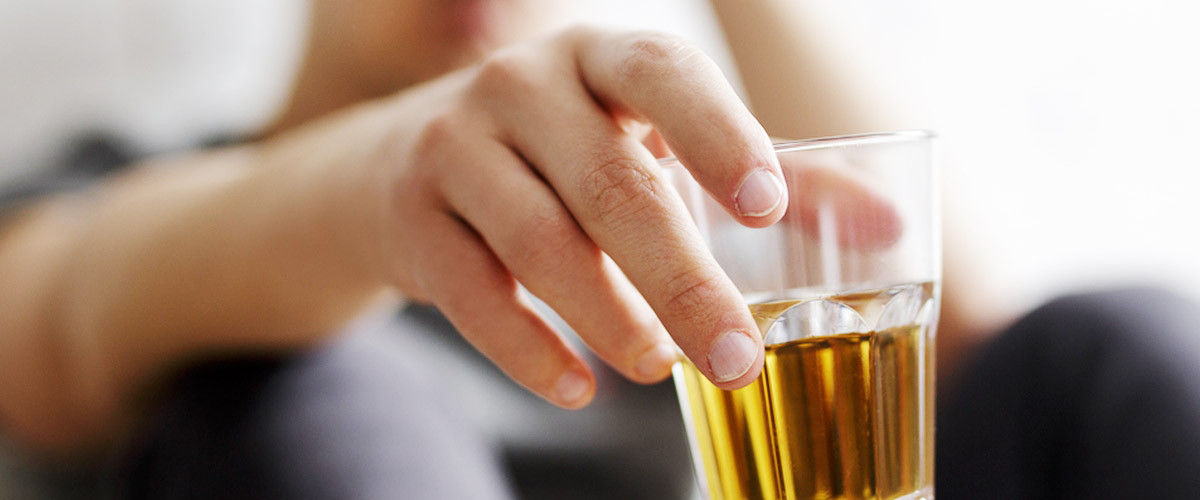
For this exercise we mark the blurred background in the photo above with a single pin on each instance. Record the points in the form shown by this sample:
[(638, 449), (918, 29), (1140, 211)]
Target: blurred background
[(1068, 127)]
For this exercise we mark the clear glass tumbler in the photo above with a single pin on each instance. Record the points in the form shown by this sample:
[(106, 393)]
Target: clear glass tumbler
[(845, 290)]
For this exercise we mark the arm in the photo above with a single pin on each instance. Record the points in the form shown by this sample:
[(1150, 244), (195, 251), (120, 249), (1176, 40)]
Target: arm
[(255, 246), (806, 73), (452, 191)]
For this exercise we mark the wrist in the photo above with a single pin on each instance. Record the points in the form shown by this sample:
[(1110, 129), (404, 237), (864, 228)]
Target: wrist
[(323, 207)]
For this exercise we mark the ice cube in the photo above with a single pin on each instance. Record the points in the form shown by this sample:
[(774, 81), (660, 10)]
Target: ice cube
[(904, 308), (815, 318), (928, 317)]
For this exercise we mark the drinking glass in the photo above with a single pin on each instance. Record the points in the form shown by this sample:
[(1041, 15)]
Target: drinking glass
[(845, 290)]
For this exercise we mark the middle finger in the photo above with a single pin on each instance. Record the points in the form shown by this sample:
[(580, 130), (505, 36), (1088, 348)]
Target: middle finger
[(614, 188), (535, 237)]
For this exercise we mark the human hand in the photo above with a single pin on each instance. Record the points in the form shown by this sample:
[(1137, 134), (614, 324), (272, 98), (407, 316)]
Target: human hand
[(529, 168)]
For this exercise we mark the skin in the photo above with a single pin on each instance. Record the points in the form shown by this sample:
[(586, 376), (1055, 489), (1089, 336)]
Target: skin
[(449, 191), (413, 159)]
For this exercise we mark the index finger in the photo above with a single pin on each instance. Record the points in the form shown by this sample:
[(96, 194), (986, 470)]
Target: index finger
[(670, 83)]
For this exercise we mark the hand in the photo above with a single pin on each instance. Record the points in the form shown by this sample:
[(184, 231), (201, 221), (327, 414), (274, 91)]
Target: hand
[(529, 168)]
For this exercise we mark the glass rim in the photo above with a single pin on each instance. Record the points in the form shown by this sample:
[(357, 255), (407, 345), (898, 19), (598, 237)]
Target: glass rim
[(836, 141)]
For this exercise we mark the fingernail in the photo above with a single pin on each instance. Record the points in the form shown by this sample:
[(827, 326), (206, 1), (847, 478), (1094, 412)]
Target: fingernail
[(760, 193), (731, 356), (655, 362), (571, 387)]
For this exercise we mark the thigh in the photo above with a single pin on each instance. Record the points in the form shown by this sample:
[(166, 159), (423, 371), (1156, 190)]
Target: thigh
[(1090, 396), (359, 418)]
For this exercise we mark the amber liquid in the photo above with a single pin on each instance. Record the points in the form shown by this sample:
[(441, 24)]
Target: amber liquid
[(843, 416)]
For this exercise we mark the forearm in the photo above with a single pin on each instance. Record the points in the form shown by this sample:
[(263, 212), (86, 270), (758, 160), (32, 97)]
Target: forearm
[(807, 75), (256, 246)]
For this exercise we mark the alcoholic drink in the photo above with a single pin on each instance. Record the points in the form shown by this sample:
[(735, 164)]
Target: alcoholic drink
[(848, 415)]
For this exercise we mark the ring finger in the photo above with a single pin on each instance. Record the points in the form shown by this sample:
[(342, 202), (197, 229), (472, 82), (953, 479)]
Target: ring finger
[(535, 237)]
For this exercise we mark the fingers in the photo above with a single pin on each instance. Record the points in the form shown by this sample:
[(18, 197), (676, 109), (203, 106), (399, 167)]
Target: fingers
[(484, 303), (613, 187), (861, 218), (679, 90), (571, 112), (542, 246)]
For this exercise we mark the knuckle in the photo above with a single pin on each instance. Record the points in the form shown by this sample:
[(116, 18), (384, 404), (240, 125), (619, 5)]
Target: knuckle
[(506, 73), (579, 32), (440, 131), (654, 55), (693, 289), (432, 150), (619, 188)]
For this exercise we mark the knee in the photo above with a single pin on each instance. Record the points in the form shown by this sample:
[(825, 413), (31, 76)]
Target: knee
[(1147, 321)]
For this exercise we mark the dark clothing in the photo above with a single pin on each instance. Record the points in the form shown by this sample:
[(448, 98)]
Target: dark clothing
[(399, 409), (354, 420), (1090, 396)]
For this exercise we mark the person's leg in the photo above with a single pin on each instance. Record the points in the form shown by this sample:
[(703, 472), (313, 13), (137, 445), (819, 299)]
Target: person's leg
[(1090, 396), (357, 419)]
